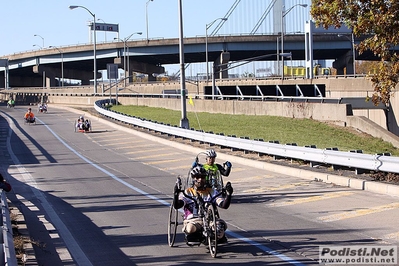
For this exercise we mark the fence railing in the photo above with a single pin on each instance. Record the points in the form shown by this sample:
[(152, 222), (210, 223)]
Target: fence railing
[(7, 253), (357, 161)]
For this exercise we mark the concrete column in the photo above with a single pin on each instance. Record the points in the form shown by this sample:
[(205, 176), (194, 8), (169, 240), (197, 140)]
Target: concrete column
[(309, 26), (345, 61), (221, 71)]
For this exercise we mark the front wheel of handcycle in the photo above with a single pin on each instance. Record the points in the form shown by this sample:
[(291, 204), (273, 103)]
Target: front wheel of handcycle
[(212, 234), (172, 225)]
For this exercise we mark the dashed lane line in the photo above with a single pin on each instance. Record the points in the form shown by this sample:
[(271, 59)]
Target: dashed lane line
[(157, 155), (159, 162), (357, 213), (312, 199), (144, 151)]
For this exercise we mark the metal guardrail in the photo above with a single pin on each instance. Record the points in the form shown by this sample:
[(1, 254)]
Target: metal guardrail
[(353, 160), (7, 253)]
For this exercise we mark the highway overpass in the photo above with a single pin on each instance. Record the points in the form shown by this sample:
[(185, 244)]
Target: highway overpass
[(76, 62)]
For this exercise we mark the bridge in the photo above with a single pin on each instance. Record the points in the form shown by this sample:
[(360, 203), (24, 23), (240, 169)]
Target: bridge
[(148, 57)]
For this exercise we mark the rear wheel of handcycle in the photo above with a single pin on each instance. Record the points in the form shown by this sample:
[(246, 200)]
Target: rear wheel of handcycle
[(212, 234), (75, 127), (172, 225)]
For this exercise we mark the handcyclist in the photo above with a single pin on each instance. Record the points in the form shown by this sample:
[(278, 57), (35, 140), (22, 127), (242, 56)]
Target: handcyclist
[(29, 116), (212, 167), (10, 103), (83, 124), (192, 225)]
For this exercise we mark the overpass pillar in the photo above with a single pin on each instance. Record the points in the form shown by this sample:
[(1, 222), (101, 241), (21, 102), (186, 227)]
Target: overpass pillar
[(309, 25), (345, 61), (221, 65), (47, 74)]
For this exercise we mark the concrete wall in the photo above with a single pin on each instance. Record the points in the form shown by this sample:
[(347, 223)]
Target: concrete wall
[(335, 88)]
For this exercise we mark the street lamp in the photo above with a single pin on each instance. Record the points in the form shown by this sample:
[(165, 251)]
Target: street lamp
[(283, 14), (94, 51), (105, 32), (37, 46), (62, 64), (184, 120), (146, 15), (37, 35), (127, 46), (206, 44), (352, 40), (124, 61)]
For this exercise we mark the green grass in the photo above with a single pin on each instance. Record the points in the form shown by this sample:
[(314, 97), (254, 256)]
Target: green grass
[(285, 130)]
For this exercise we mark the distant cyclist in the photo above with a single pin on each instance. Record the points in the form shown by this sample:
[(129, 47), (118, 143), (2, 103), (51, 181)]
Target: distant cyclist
[(83, 124), (213, 168), (10, 103)]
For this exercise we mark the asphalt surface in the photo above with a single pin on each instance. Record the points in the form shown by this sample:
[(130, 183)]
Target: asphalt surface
[(103, 198)]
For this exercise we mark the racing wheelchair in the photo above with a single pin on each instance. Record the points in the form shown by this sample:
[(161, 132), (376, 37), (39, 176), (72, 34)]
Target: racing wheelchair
[(207, 211)]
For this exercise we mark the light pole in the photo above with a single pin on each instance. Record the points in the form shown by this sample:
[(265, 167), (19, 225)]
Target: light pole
[(207, 26), (37, 46), (128, 62), (352, 40), (94, 51), (124, 61), (283, 14), (105, 32), (62, 64), (37, 35), (184, 120), (126, 51), (146, 16)]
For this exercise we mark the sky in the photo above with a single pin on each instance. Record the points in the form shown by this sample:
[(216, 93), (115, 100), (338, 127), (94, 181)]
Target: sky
[(54, 24)]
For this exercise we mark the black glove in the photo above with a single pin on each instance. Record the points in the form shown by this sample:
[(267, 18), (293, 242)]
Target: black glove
[(229, 188), (176, 189), (228, 164)]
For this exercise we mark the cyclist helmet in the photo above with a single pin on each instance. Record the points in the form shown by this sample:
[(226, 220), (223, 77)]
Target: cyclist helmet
[(29, 109), (81, 117), (198, 171), (211, 153)]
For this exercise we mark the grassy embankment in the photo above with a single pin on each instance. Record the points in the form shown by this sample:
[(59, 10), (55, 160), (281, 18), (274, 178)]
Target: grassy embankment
[(285, 130)]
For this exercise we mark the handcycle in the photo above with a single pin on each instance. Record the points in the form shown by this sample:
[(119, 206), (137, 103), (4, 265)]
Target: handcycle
[(83, 126), (207, 211), (10, 105), (30, 121)]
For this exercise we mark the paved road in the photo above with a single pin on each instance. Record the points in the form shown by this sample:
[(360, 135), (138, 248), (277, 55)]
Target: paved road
[(102, 198)]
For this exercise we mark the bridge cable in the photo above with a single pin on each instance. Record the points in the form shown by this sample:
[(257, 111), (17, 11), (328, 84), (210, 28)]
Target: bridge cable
[(221, 23), (218, 26), (260, 21)]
